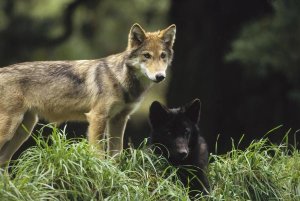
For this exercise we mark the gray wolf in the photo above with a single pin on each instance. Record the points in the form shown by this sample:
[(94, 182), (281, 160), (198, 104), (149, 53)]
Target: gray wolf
[(104, 92), (176, 134)]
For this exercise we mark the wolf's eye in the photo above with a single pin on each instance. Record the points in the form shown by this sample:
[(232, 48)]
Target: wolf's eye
[(163, 55), (147, 55)]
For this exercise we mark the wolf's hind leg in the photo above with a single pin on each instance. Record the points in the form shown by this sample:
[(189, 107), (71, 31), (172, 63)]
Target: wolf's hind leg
[(22, 133), (8, 126)]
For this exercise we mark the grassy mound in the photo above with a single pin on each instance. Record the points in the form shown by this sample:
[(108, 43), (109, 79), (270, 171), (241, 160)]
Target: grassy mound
[(263, 171), (61, 169)]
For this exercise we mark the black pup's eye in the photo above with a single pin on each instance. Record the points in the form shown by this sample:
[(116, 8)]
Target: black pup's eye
[(163, 55), (187, 131), (147, 55)]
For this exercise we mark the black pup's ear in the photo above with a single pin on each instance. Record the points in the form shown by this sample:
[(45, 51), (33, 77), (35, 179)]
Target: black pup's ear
[(158, 114), (192, 110)]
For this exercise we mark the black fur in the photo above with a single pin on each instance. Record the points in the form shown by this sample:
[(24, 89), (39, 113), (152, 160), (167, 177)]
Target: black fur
[(176, 134)]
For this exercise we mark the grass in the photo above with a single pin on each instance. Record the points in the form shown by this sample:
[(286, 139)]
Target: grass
[(61, 169), (263, 171)]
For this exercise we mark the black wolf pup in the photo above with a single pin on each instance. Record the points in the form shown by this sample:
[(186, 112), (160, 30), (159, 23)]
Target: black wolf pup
[(176, 133)]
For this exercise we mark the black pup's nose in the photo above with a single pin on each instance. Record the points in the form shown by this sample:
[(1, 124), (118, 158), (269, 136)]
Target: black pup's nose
[(182, 154), (159, 77)]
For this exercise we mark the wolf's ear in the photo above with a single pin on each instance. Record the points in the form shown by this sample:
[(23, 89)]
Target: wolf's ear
[(168, 35), (158, 114), (136, 36), (192, 110)]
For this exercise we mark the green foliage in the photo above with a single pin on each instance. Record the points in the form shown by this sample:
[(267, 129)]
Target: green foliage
[(272, 43), (98, 27), (61, 169), (103, 29)]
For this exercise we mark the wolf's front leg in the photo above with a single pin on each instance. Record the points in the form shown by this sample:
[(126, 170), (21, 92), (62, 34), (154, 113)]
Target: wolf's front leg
[(116, 129), (97, 125)]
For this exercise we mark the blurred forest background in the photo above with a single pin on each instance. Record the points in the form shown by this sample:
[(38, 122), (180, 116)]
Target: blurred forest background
[(241, 58)]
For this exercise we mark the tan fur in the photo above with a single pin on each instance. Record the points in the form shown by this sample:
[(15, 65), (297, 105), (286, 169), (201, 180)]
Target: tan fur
[(103, 92)]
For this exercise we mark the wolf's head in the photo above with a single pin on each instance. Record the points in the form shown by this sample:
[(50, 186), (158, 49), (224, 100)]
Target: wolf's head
[(151, 52), (175, 129)]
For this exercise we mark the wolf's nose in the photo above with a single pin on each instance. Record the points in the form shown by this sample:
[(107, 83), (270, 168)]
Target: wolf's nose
[(159, 77)]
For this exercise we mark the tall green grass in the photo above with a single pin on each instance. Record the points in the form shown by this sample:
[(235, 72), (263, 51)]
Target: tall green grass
[(262, 172), (61, 169)]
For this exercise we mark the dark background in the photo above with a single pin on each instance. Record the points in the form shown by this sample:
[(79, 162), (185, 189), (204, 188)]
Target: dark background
[(241, 58)]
